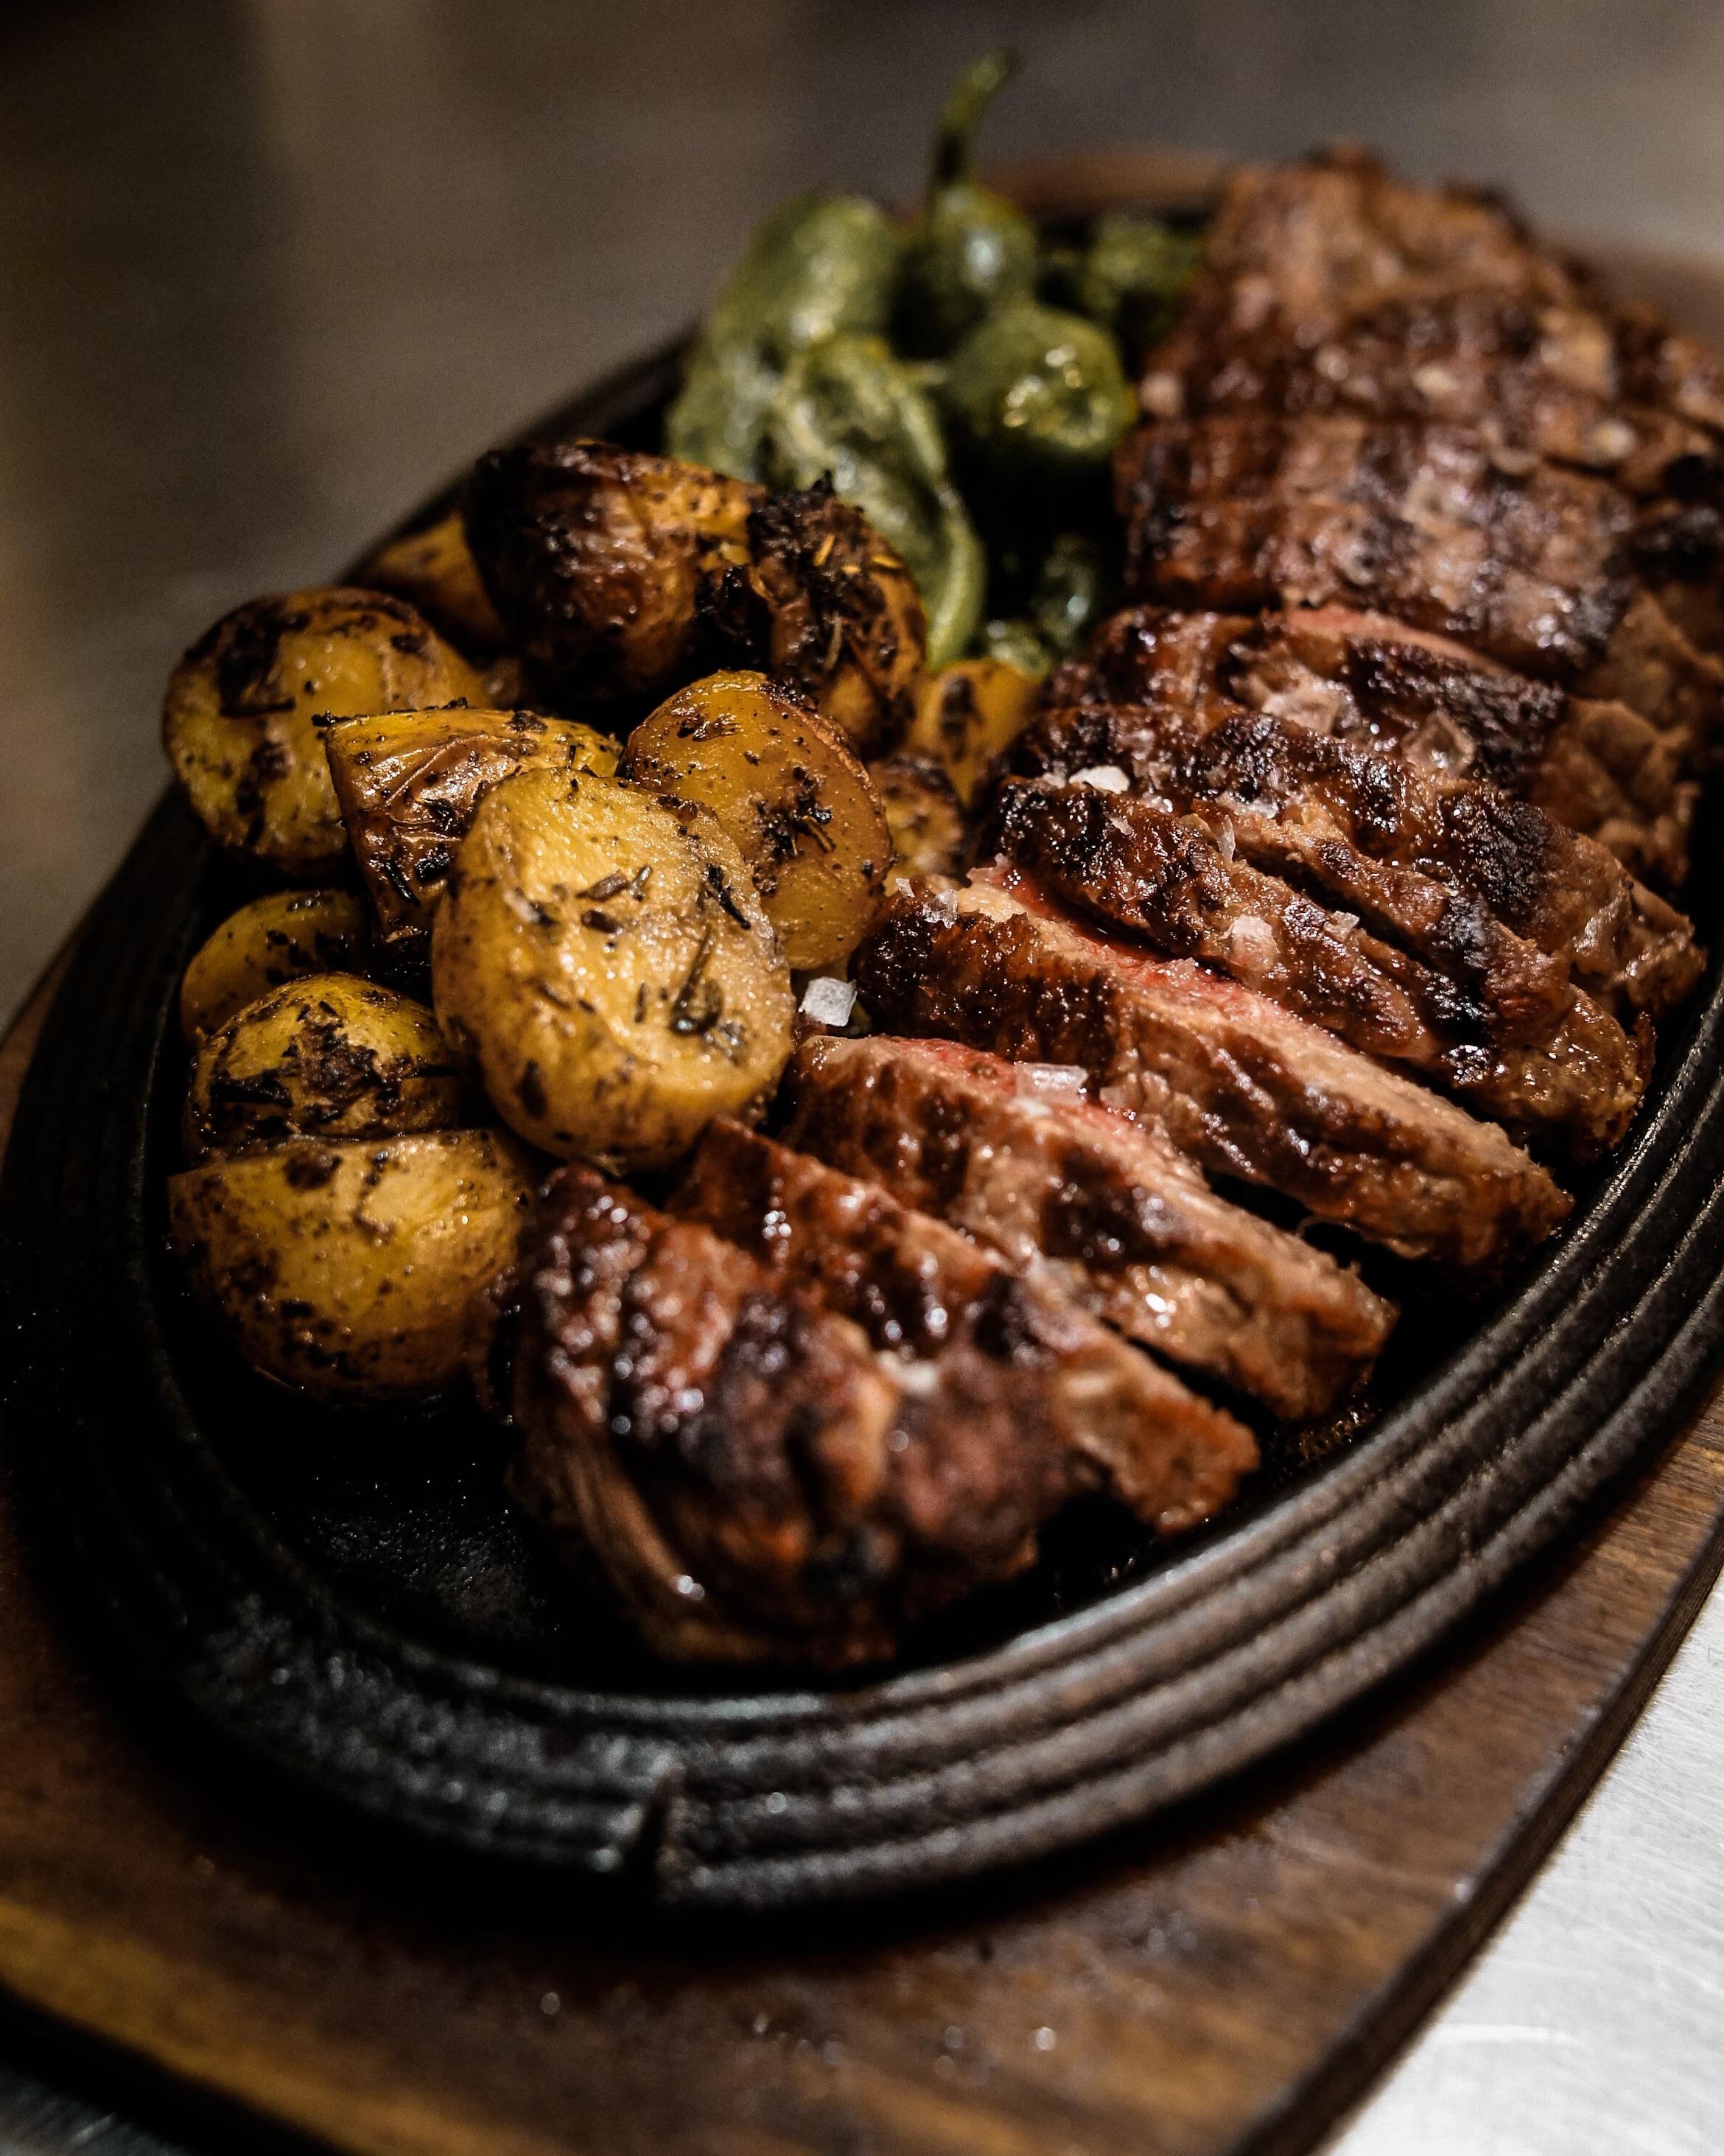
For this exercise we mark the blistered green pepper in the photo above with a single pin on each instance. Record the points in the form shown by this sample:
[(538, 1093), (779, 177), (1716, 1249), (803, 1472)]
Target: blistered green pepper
[(970, 250), (1130, 278), (819, 266), (1010, 637), (1036, 401), (1074, 587), (849, 411)]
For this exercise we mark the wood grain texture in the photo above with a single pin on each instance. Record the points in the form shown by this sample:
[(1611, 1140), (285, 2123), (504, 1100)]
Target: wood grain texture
[(1226, 1980), (1223, 1981)]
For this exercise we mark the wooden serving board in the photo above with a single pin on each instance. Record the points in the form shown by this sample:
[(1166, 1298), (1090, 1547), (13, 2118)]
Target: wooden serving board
[(1223, 1980)]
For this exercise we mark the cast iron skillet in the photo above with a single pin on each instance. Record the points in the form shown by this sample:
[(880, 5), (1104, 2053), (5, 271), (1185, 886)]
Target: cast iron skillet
[(347, 1601)]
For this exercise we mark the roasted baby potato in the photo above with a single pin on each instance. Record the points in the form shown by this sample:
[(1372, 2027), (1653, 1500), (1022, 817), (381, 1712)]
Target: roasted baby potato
[(435, 570), (929, 834), (277, 938), (604, 962), (408, 783), (329, 1056), (786, 792), (238, 719), (845, 627), (621, 577), (360, 1269), (966, 714)]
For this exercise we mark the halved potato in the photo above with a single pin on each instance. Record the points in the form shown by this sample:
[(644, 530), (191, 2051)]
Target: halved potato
[(361, 1269), (966, 714), (929, 834), (328, 1056), (408, 783), (788, 792), (279, 937), (433, 569), (605, 963), (237, 721)]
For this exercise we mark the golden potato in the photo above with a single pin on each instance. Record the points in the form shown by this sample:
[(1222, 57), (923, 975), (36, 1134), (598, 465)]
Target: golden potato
[(788, 794), (408, 783), (621, 577), (966, 714), (929, 834), (360, 1269), (845, 626), (328, 1056), (605, 963), (237, 721), (434, 570), (277, 938)]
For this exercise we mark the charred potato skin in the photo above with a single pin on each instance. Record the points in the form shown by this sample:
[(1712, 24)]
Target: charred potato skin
[(277, 938), (410, 782), (846, 630), (619, 575), (785, 789), (328, 1056), (434, 570), (601, 960), (968, 714), (930, 836), (238, 719), (358, 1270)]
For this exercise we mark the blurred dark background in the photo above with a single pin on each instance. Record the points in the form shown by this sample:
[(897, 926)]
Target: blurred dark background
[(272, 268)]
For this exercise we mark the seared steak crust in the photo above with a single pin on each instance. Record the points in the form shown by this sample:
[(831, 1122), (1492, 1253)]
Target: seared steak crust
[(1024, 1370), (1119, 1217), (1137, 865), (1475, 882), (1247, 1089), (1418, 519)]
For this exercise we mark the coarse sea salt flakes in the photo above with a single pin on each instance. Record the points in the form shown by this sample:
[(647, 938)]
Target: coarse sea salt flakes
[(1058, 1081), (1108, 778), (828, 1001)]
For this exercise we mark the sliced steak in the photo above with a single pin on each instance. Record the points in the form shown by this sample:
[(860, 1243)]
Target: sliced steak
[(1246, 1088), (1119, 1217), (1419, 521), (1004, 1347), (1136, 864)]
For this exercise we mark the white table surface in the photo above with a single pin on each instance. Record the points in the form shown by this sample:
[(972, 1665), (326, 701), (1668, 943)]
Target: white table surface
[(270, 270)]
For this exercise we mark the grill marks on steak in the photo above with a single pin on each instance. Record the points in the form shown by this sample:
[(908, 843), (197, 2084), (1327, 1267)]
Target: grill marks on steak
[(1136, 864), (1475, 882), (1114, 1213), (1248, 1090), (993, 1363), (1417, 519)]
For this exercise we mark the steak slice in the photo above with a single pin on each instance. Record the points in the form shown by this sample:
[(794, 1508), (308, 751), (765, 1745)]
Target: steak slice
[(1119, 1217), (1416, 519), (1134, 864), (1247, 1089), (1009, 1353), (1475, 882)]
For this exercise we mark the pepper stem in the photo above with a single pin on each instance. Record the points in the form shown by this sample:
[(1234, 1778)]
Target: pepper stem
[(970, 96)]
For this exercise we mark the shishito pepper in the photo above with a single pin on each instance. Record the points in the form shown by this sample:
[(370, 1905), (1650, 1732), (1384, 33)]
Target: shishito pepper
[(1129, 277), (1036, 400), (821, 265), (969, 251), (849, 411)]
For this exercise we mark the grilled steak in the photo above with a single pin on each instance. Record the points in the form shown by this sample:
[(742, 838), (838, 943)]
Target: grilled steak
[(1011, 1353), (1136, 864), (1121, 1219), (1451, 867), (1418, 520), (1245, 1087)]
